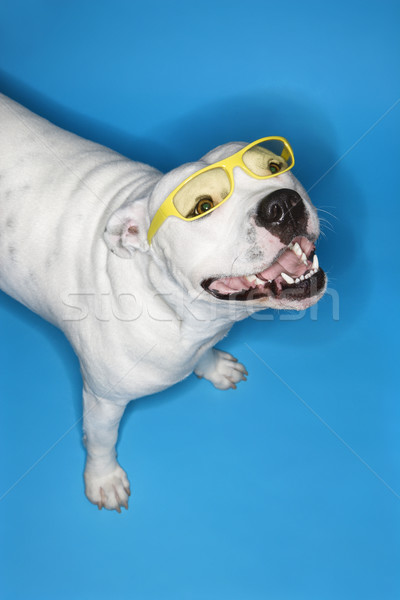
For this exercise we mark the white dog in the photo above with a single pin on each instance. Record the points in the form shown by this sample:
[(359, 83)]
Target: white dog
[(71, 211)]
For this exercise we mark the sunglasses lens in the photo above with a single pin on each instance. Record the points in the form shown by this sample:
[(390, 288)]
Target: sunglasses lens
[(202, 193), (268, 158)]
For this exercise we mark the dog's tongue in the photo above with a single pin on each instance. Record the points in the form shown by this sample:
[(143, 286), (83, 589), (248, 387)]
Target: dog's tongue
[(227, 285), (287, 262)]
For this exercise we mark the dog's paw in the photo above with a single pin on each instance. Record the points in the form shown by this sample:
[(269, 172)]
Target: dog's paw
[(222, 369), (109, 491)]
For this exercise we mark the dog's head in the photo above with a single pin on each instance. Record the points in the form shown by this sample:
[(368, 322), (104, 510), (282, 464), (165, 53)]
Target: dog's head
[(256, 248)]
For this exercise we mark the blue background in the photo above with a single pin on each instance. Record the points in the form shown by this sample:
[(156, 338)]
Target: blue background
[(286, 488)]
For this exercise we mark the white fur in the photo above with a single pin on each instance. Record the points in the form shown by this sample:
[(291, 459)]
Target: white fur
[(73, 248)]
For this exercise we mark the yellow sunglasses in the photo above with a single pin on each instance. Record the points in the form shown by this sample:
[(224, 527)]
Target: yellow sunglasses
[(207, 189)]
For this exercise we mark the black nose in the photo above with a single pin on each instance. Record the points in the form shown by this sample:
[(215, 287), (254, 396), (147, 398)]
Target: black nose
[(278, 206), (283, 213)]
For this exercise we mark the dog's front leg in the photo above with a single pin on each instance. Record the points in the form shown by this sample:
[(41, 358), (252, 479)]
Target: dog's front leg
[(221, 368), (106, 484)]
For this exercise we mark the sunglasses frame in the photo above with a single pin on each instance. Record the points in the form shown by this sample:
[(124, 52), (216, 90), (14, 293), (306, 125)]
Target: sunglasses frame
[(168, 209)]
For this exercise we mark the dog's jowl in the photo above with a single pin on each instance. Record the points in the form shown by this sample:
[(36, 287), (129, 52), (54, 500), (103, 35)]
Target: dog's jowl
[(146, 272)]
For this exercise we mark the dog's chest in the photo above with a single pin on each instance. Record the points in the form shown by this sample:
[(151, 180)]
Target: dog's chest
[(156, 362)]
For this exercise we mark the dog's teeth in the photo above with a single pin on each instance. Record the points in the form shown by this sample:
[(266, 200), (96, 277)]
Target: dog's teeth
[(297, 280), (250, 278), (301, 277), (287, 278), (254, 278), (315, 262), (290, 246), (296, 249)]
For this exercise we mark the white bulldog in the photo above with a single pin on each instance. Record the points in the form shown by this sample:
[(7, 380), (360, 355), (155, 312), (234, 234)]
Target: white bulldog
[(72, 211)]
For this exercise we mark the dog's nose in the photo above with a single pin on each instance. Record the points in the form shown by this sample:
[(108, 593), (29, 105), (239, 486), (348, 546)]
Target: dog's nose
[(279, 208), (283, 213)]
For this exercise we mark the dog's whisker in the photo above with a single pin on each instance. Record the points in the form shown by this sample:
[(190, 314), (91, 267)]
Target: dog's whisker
[(319, 209), (327, 226)]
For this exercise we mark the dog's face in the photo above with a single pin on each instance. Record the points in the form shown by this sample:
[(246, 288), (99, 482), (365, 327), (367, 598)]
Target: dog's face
[(256, 248)]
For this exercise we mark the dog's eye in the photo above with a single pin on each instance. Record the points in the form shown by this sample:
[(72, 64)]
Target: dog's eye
[(274, 167), (203, 205)]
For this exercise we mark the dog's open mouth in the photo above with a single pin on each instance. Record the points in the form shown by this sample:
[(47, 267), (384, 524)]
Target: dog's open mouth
[(295, 275)]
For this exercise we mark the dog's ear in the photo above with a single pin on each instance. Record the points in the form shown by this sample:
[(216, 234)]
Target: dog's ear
[(126, 230)]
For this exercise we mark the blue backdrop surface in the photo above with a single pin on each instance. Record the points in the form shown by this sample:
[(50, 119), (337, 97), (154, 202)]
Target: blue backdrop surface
[(288, 487)]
